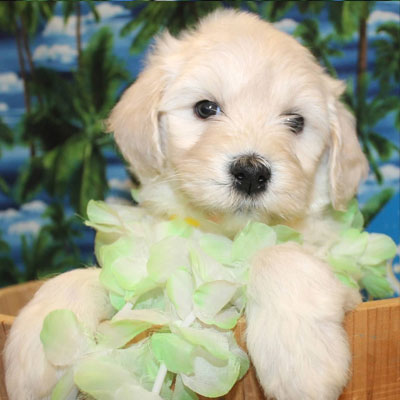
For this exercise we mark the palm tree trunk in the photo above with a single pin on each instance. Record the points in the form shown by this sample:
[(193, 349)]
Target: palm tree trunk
[(25, 42), (78, 33), (362, 54), (21, 60), (28, 53), (22, 69)]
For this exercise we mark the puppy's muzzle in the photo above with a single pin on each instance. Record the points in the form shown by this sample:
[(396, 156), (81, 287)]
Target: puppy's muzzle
[(250, 174)]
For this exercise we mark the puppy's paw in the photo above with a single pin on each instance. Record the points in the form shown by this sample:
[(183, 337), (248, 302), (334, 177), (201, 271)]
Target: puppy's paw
[(29, 376), (294, 325)]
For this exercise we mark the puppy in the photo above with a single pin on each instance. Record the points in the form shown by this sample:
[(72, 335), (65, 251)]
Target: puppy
[(231, 122)]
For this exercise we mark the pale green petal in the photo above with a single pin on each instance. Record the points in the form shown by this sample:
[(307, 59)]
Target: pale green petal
[(104, 239), (123, 263), (101, 213), (166, 391), (167, 256), (379, 270), (377, 286), (347, 280), (379, 248), (175, 352), (65, 388), (151, 299), (63, 338), (254, 237), (181, 392), (102, 379), (180, 289), (146, 285), (217, 246), (345, 265), (212, 297), (139, 360), (113, 335), (108, 254), (285, 234), (126, 246), (358, 220), (116, 301), (351, 218), (212, 377), (352, 243), (135, 194), (239, 299), (153, 317), (118, 218), (225, 319), (239, 353), (130, 392), (176, 227), (210, 339), (206, 269), (108, 280), (129, 271)]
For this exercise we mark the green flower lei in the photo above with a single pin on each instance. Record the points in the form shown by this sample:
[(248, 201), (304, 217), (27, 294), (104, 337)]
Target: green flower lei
[(187, 290)]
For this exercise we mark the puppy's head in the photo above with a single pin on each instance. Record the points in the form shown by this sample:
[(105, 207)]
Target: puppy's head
[(238, 117)]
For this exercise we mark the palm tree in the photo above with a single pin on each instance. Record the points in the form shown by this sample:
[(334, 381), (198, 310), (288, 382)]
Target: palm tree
[(6, 138), (10, 22), (8, 270), (320, 46), (387, 69), (347, 18), (54, 248), (69, 7), (154, 16), (22, 18), (70, 128)]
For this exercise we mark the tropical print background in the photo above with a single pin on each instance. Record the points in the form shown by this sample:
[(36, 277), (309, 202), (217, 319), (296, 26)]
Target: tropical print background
[(63, 64)]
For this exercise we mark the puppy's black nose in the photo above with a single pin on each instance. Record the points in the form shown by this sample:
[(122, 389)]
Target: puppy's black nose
[(250, 174)]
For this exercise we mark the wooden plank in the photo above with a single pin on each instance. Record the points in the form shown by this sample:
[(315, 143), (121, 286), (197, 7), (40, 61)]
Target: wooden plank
[(13, 298), (374, 334)]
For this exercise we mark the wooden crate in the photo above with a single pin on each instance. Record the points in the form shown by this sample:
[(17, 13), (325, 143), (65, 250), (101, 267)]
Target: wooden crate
[(374, 334)]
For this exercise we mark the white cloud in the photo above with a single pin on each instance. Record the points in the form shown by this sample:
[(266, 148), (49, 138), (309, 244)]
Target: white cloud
[(57, 52), (10, 82), (20, 228), (378, 16), (8, 213), (118, 200), (286, 25), (56, 26), (390, 172), (3, 107), (120, 184), (107, 10), (36, 205)]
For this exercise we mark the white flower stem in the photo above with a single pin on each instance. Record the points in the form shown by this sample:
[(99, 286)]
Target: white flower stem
[(162, 371)]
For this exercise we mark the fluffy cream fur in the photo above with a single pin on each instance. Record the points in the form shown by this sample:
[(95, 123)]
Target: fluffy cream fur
[(256, 74)]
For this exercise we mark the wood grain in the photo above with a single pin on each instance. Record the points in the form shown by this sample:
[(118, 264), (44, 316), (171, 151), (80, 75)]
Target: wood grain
[(374, 335)]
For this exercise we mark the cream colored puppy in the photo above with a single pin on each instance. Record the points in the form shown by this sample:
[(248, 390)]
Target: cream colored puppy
[(234, 121)]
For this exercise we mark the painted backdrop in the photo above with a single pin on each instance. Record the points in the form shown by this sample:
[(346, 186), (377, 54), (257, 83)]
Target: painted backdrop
[(64, 64)]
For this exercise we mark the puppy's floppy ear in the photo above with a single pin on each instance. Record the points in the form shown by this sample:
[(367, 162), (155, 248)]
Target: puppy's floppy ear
[(347, 163), (135, 119)]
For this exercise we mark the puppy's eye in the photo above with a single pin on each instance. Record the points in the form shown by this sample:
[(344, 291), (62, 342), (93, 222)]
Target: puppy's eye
[(206, 108), (295, 122)]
